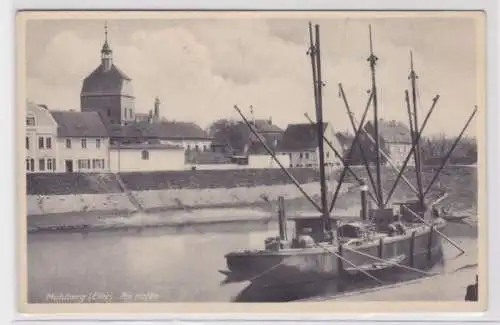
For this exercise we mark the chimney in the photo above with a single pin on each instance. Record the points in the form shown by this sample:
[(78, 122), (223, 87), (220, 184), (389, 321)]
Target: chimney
[(270, 120), (150, 117), (157, 109)]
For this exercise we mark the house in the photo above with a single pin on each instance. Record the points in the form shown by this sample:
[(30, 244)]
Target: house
[(270, 133), (395, 140), (82, 142), (41, 135), (300, 143), (258, 156), (138, 157)]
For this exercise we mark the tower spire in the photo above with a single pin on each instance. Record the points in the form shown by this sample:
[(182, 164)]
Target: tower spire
[(106, 52), (106, 31)]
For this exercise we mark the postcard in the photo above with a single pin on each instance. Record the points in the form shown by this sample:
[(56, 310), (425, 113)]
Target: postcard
[(285, 162)]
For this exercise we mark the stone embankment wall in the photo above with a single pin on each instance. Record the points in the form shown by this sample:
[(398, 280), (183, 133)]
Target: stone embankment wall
[(128, 192)]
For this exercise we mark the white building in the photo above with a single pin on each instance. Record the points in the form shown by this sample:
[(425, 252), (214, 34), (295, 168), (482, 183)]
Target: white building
[(145, 157), (82, 142), (300, 143), (41, 135), (267, 161)]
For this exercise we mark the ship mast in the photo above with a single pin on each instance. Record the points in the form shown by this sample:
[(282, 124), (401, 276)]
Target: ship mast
[(315, 54), (418, 152), (373, 59)]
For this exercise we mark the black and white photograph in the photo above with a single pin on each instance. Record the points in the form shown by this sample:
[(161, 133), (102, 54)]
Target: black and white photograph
[(252, 157)]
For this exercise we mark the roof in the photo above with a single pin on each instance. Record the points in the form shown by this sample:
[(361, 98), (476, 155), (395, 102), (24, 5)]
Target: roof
[(79, 124), (99, 80), (165, 130), (391, 131), (344, 138), (267, 126), (298, 137), (272, 140), (144, 146), (176, 130)]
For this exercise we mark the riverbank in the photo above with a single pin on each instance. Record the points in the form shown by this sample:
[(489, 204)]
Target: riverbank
[(126, 193), (102, 201)]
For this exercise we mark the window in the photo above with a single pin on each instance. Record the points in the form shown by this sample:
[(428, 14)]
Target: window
[(84, 143), (145, 155), (68, 143), (53, 164), (301, 155), (83, 163), (307, 155), (130, 113), (328, 154), (98, 163), (188, 147), (109, 112), (27, 142), (41, 164), (49, 164), (40, 142), (30, 165), (197, 148), (30, 121), (204, 147), (48, 143), (97, 143)]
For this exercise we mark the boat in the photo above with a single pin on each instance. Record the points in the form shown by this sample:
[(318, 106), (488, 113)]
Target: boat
[(384, 236)]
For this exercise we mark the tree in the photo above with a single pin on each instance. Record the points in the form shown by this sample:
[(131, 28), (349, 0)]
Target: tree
[(231, 133)]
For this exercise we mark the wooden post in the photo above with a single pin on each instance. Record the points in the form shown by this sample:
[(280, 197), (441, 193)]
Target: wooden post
[(340, 269), (282, 219), (364, 201), (429, 248), (412, 249), (381, 248)]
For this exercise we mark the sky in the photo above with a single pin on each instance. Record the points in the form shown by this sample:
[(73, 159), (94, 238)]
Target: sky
[(201, 67)]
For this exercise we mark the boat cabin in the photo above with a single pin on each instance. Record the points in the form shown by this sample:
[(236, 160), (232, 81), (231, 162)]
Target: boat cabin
[(415, 205), (352, 230), (312, 225)]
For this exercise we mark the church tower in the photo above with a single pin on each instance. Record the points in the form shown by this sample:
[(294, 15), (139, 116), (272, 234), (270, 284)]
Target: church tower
[(107, 90)]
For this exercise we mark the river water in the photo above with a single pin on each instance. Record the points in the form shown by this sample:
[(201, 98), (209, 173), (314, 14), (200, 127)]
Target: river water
[(162, 264)]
